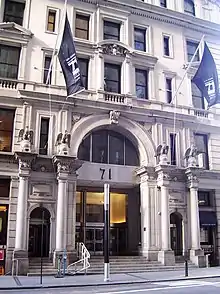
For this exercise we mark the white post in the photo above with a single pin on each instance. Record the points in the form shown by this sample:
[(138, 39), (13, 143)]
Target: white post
[(60, 224), (20, 237), (165, 218), (194, 211), (106, 232)]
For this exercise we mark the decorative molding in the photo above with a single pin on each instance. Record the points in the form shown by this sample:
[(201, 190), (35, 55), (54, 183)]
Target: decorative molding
[(114, 49), (114, 116), (76, 117)]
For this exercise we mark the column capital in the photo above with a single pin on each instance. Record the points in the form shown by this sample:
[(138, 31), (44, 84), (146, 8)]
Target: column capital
[(66, 165), (146, 174), (25, 160), (163, 175), (192, 177)]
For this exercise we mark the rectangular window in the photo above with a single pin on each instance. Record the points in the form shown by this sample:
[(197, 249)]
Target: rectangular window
[(163, 3), (4, 188), (14, 12), (112, 78), (6, 129), (191, 49), (201, 142), (197, 98), (47, 62), (140, 39), (83, 65), (204, 198), (173, 149), (82, 27), (44, 135), (51, 20), (166, 45), (111, 30), (9, 61), (141, 77), (189, 7), (169, 94)]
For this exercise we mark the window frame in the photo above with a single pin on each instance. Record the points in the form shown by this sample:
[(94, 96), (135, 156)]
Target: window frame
[(56, 23), (173, 149), (197, 57), (164, 4), (11, 64), (146, 74), (11, 132), (192, 3), (40, 136), (85, 17), (113, 65), (14, 16), (144, 31), (197, 97), (169, 92), (86, 61), (114, 24), (206, 153), (46, 70)]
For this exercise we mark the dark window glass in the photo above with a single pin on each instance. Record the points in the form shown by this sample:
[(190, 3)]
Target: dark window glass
[(3, 224), (51, 21), (169, 90), (4, 188), (201, 142), (9, 61), (100, 147), (14, 12), (173, 148), (44, 132), (191, 49), (6, 129), (47, 62), (112, 78), (131, 155), (116, 148), (197, 98), (204, 198), (82, 27), (83, 66), (84, 149), (141, 83), (111, 30), (166, 45), (189, 7), (140, 39), (163, 3)]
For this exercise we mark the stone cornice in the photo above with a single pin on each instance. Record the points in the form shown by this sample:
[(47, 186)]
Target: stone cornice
[(14, 33)]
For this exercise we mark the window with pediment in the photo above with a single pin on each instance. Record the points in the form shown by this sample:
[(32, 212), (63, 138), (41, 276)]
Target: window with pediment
[(112, 78), (14, 12), (9, 61)]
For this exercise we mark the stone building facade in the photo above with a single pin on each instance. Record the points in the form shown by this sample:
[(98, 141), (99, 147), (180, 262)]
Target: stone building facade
[(132, 55)]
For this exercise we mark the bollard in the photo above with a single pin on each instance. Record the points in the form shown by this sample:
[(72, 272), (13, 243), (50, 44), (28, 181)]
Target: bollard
[(64, 262), (59, 267), (207, 260), (186, 268)]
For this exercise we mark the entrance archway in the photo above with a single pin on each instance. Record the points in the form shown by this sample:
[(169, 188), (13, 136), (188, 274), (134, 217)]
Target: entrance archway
[(176, 238), (39, 232)]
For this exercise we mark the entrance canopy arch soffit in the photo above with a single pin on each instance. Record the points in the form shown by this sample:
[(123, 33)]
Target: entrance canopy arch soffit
[(46, 206), (140, 137)]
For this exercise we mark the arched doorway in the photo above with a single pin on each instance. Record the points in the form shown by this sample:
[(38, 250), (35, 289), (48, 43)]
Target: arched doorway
[(39, 232), (176, 239)]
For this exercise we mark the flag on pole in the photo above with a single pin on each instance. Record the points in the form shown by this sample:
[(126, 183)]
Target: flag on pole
[(206, 78), (68, 61)]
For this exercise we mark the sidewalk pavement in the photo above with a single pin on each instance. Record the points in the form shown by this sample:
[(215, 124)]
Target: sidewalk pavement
[(24, 282)]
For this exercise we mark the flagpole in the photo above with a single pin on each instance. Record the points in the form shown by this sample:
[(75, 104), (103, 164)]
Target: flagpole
[(187, 69)]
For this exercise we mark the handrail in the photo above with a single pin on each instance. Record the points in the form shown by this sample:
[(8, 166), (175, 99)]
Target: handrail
[(14, 264), (83, 255)]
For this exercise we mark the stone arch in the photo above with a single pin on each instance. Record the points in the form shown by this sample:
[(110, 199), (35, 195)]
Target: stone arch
[(138, 135), (47, 206), (176, 232)]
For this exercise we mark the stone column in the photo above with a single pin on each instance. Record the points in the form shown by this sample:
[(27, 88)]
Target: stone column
[(127, 75), (22, 63), (21, 250), (166, 255), (66, 165), (147, 187), (99, 61), (196, 253)]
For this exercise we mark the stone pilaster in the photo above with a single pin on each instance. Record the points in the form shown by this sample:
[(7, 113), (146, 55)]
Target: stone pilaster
[(21, 251), (196, 253), (166, 255), (66, 166)]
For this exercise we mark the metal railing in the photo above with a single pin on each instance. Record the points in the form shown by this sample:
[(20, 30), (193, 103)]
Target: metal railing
[(83, 263)]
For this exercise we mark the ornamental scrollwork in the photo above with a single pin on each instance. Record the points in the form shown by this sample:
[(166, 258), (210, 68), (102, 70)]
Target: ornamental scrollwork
[(114, 49)]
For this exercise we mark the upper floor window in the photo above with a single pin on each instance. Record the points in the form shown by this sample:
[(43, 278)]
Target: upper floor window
[(197, 98), (111, 30), (191, 49), (166, 45), (169, 92), (204, 198), (82, 26), (108, 147), (51, 20), (201, 142), (112, 79), (47, 72), (44, 136), (140, 39), (83, 65), (173, 149), (14, 12), (189, 7), (9, 61), (141, 77), (4, 188), (6, 129), (163, 3)]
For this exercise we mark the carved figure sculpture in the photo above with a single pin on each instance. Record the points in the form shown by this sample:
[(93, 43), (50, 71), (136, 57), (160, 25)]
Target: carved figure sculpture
[(25, 138), (191, 155), (63, 143), (114, 116), (162, 153)]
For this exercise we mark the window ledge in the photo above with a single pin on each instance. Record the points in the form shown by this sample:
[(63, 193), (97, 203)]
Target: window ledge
[(6, 153), (52, 33)]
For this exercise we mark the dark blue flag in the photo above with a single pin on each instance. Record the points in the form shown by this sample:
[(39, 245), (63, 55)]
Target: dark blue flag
[(69, 63), (206, 78)]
